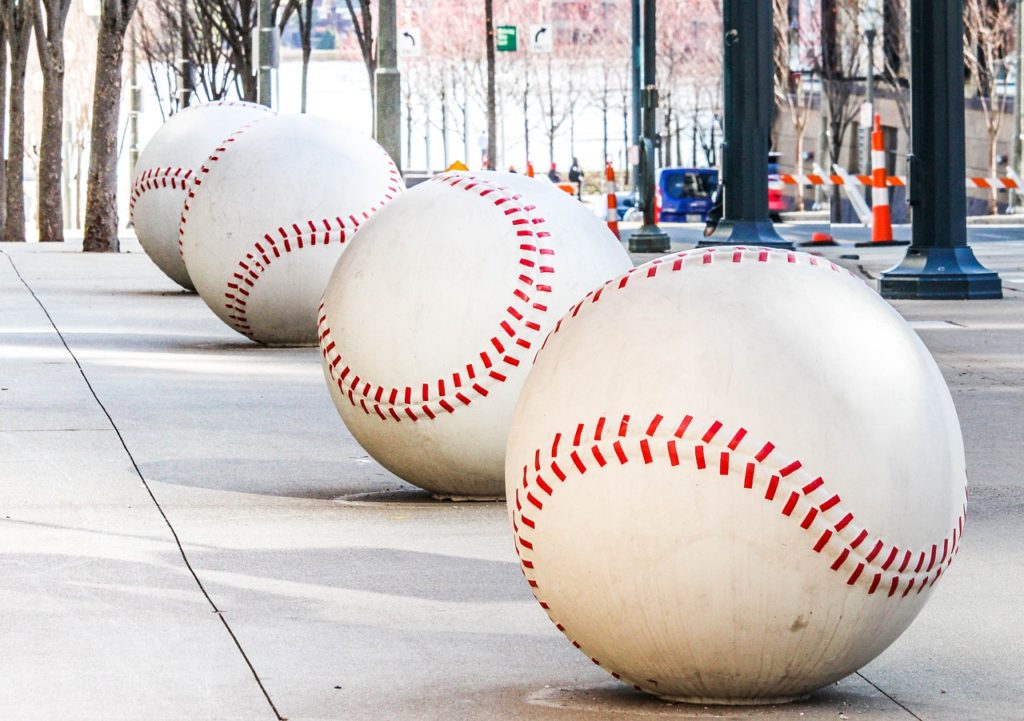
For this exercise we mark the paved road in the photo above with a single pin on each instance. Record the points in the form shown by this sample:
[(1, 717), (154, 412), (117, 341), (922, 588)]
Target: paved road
[(690, 233), (189, 532)]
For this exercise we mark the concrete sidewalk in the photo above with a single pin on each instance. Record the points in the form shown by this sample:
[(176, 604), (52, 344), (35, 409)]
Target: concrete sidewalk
[(188, 532)]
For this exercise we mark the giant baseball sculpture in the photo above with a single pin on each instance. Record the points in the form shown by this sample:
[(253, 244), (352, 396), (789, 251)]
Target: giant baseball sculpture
[(166, 168), (269, 214), (434, 314), (734, 476)]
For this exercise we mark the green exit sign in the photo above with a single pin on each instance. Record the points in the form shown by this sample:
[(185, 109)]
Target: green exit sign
[(507, 38)]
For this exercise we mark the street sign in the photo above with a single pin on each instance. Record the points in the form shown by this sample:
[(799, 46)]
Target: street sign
[(507, 38), (410, 42), (540, 38)]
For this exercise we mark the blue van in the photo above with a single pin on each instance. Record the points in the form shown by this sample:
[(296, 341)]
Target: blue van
[(685, 193)]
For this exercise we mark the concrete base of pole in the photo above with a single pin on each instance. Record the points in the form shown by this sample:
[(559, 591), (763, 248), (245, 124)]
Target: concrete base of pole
[(745, 232), (940, 274), (649, 239)]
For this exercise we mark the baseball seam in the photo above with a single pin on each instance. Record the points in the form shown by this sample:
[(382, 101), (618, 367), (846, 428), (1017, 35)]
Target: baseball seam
[(863, 558), (256, 261), (700, 258), (176, 178), (158, 179), (516, 334)]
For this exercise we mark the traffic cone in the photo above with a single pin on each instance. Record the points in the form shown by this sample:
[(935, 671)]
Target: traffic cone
[(819, 240), (881, 225), (529, 169), (613, 207)]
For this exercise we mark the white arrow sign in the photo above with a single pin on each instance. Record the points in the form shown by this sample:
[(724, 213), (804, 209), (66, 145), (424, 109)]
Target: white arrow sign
[(410, 42), (540, 38)]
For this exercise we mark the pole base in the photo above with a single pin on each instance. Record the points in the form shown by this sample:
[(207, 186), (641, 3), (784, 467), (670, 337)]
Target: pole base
[(880, 243), (940, 274), (649, 239), (746, 232)]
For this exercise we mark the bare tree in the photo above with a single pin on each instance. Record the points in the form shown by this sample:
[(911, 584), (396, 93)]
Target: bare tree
[(235, 22), (101, 193), (792, 93), (49, 19), (552, 102), (18, 23), (840, 63), (362, 23), (988, 25), (303, 10), (896, 61)]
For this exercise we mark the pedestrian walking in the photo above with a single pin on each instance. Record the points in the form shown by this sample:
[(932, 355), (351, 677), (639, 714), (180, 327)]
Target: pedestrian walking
[(576, 176)]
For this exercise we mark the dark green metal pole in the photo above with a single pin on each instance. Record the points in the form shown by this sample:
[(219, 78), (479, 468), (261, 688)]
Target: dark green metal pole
[(749, 103), (649, 238), (939, 264), (634, 60)]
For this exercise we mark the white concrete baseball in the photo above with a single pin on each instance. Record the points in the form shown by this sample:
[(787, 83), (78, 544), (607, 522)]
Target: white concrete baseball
[(734, 475), (269, 214), (434, 314), (166, 168)]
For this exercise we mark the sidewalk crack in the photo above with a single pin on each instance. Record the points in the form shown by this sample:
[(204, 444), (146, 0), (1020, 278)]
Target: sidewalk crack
[(888, 696), (145, 483)]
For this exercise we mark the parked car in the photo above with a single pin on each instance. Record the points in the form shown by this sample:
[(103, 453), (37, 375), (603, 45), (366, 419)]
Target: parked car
[(685, 194), (625, 201)]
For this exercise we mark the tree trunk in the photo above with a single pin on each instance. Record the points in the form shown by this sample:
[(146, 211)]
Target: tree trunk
[(3, 122), (307, 49), (444, 122), (604, 129), (993, 171), (51, 202), (101, 192), (625, 139), (799, 166), (14, 225)]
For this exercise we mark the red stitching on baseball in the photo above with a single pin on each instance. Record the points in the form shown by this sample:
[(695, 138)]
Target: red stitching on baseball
[(800, 488), (158, 179), (517, 331), (250, 268), (178, 178)]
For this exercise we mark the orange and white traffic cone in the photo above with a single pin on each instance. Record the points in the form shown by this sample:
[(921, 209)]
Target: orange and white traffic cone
[(613, 207), (881, 225), (819, 240), (529, 169)]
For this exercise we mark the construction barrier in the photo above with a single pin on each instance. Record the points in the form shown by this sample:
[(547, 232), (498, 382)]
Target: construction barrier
[(612, 217), (891, 181)]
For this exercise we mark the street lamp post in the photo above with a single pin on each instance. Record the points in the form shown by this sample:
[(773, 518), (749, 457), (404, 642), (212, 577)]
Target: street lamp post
[(387, 83), (748, 116), (649, 238), (869, 88), (939, 264), (264, 72)]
